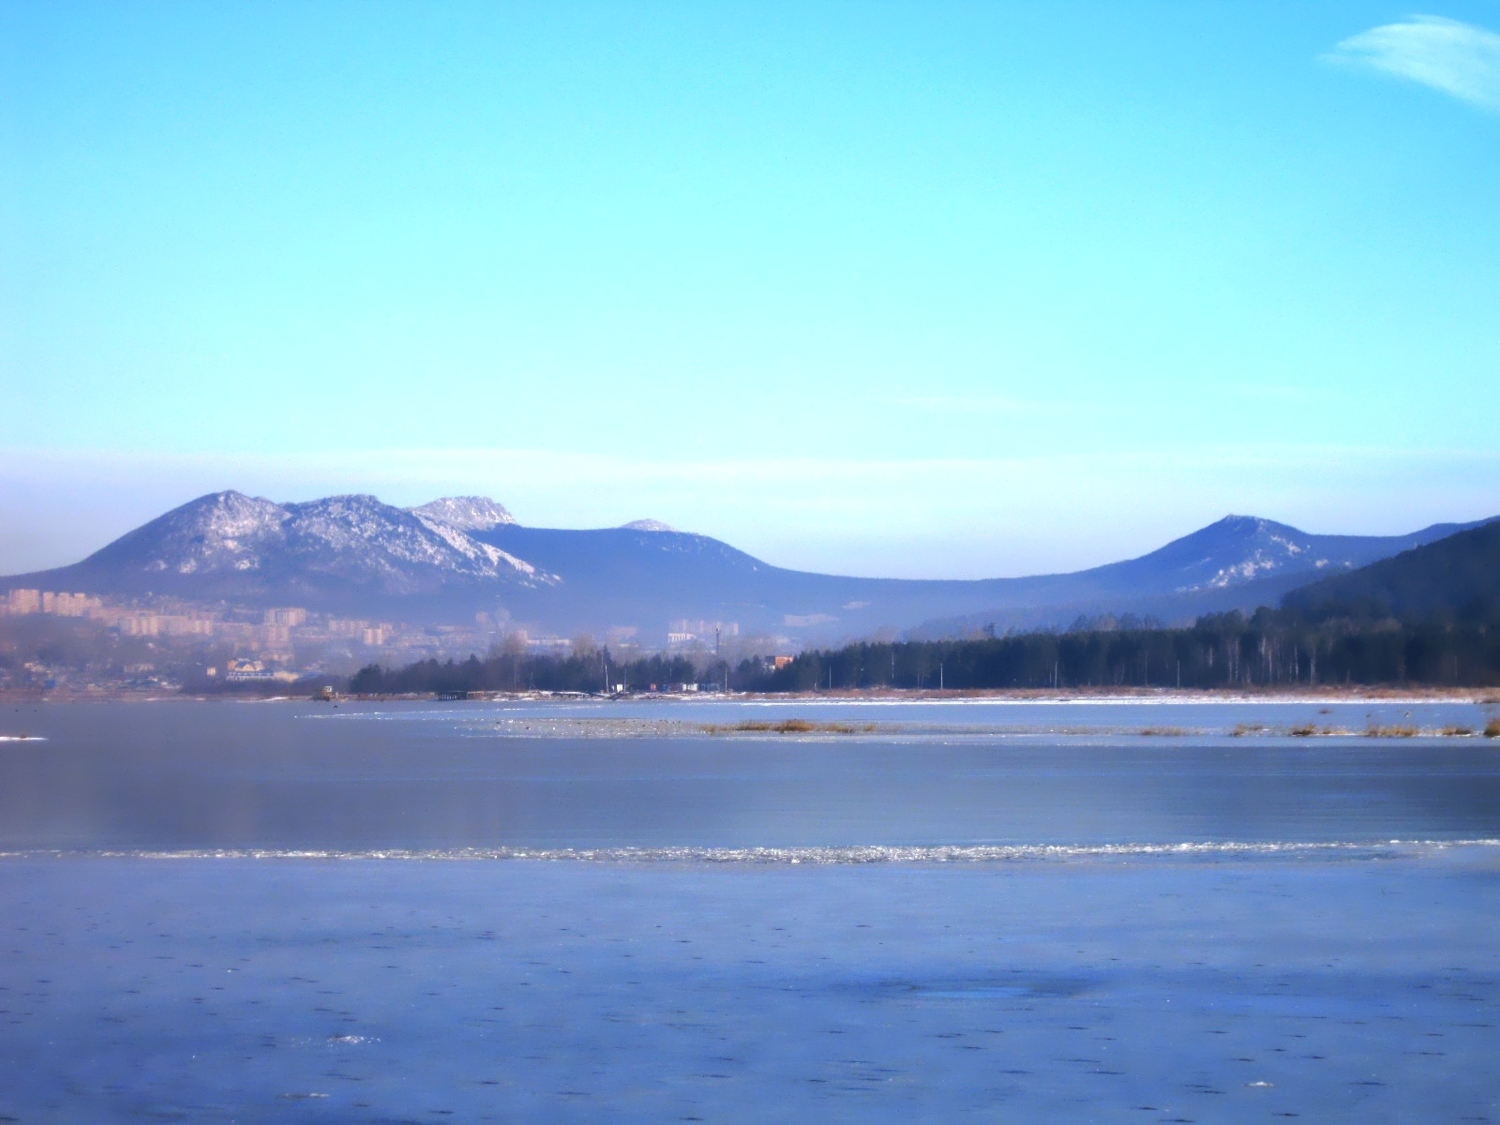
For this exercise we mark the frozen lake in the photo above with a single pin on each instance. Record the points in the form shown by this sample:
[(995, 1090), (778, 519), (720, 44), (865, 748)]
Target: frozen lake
[(188, 777), (1028, 912)]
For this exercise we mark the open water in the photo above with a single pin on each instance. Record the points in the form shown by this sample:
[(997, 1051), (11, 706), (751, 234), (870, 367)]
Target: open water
[(583, 912)]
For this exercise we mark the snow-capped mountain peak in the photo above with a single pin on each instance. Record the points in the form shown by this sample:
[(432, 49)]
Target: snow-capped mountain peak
[(467, 513), (231, 539), (646, 525), (220, 531)]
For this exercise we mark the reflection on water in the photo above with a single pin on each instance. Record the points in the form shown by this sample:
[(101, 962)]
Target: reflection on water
[(420, 777)]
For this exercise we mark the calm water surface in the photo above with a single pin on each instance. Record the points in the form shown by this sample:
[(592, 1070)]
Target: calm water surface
[(467, 776)]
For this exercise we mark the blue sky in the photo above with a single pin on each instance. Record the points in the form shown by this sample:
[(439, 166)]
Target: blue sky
[(916, 289)]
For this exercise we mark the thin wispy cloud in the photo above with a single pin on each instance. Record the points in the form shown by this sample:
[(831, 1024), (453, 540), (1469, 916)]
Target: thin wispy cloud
[(1457, 58)]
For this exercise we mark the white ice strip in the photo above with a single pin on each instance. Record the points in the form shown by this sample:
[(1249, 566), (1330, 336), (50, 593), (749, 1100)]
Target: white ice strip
[(857, 854)]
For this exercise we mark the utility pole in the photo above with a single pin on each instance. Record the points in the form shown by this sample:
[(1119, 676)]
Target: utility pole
[(940, 675)]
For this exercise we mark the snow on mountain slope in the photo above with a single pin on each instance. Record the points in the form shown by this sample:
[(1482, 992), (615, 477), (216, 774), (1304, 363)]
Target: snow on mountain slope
[(399, 548), (1238, 550), (223, 531), (466, 513), (350, 539), (1239, 562)]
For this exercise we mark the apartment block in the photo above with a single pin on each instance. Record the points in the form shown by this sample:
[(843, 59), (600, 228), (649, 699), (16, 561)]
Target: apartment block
[(69, 605), (24, 601)]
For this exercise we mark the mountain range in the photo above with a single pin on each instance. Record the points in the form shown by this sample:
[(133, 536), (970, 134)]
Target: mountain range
[(456, 556)]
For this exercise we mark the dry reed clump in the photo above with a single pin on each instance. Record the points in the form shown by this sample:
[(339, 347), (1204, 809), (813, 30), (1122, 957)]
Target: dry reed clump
[(1458, 732), (1402, 731), (787, 726), (1305, 730), (1162, 732), (1492, 729), (1242, 729)]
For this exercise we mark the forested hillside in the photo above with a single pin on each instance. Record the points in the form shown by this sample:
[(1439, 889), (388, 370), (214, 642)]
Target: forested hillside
[(1455, 580)]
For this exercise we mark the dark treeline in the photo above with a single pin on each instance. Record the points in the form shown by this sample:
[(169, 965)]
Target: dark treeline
[(1428, 616), (591, 672), (1274, 647)]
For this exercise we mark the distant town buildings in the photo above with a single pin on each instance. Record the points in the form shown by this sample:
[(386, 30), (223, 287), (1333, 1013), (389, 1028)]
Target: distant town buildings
[(702, 628), (254, 671), (19, 602), (147, 642), (280, 637), (685, 634), (68, 605)]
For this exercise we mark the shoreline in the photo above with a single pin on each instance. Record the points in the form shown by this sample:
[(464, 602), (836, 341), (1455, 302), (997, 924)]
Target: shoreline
[(1301, 694)]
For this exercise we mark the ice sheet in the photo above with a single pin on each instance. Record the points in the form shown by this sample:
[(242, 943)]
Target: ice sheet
[(1138, 988)]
